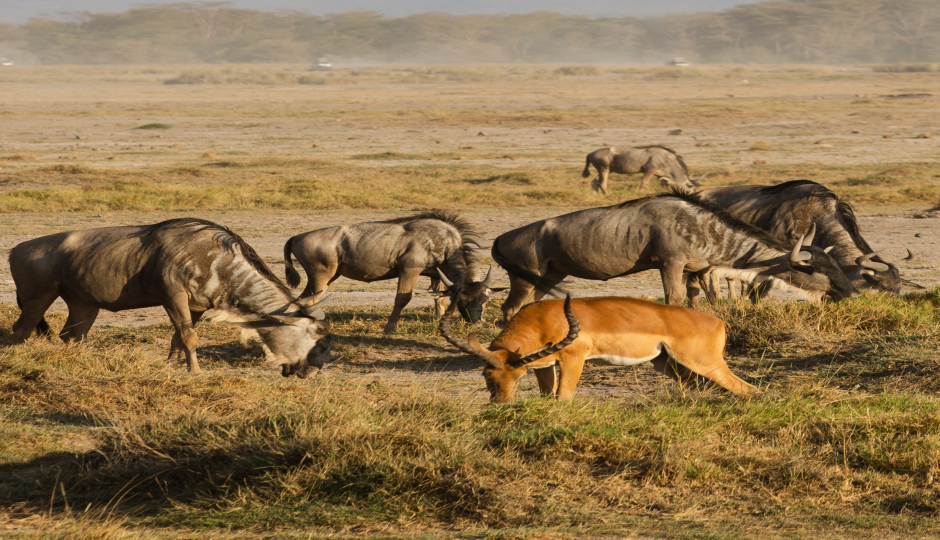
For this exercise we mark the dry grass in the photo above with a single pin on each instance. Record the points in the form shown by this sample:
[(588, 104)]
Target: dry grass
[(847, 437)]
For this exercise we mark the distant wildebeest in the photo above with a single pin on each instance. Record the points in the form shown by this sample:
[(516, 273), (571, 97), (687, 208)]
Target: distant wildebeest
[(188, 266), (651, 160), (676, 233), (787, 210), (682, 343), (436, 244)]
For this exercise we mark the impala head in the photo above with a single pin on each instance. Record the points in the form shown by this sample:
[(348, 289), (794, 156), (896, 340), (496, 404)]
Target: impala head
[(472, 296), (812, 268), (879, 275), (502, 369)]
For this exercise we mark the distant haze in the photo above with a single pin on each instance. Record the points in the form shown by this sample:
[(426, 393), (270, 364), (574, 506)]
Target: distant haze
[(19, 11)]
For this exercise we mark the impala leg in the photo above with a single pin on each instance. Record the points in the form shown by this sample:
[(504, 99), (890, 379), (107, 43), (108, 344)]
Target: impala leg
[(570, 366), (548, 380), (673, 285), (31, 314), (177, 308), (406, 284)]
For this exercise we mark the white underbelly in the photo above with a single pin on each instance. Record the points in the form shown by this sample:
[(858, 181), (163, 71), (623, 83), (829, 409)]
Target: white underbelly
[(611, 360)]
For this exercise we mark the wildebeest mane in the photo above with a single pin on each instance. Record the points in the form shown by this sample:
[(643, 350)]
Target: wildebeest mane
[(670, 150), (227, 239), (469, 237), (729, 220), (843, 208)]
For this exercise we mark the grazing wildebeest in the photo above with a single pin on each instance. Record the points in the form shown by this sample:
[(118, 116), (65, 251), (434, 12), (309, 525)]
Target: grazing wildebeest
[(651, 160), (676, 233), (436, 244), (684, 344), (188, 266), (787, 210)]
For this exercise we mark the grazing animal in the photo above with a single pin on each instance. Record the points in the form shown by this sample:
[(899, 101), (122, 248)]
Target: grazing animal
[(436, 244), (680, 342), (188, 266), (676, 233), (787, 210), (650, 160)]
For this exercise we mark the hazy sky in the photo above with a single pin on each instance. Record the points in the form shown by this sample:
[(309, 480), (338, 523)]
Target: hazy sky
[(19, 11)]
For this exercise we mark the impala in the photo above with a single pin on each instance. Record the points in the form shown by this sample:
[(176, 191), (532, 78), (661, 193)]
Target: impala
[(681, 343)]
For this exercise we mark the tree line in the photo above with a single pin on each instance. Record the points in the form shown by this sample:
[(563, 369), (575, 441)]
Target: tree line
[(777, 31)]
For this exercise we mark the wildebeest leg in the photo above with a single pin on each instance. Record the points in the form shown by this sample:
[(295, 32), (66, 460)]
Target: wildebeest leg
[(600, 183), (177, 353), (646, 180), (548, 380), (177, 308), (712, 288), (550, 279), (760, 290), (81, 317), (442, 302), (693, 289), (519, 292), (406, 284), (673, 284), (734, 288), (317, 282), (31, 313)]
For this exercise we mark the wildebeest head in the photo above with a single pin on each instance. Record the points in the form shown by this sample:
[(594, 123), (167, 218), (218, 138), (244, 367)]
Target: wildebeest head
[(472, 297), (814, 269), (879, 275), (302, 340)]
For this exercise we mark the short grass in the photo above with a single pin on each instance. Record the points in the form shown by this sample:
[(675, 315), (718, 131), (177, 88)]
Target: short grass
[(842, 441)]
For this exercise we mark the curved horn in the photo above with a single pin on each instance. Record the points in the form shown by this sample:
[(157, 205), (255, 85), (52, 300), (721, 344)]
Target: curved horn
[(910, 256), (810, 234), (698, 181), (865, 260), (797, 258), (573, 330), (444, 279), (489, 277), (306, 300), (444, 327), (313, 312)]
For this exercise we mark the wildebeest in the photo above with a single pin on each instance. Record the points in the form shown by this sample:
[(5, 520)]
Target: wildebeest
[(437, 244), (676, 233), (188, 266), (787, 210), (653, 160), (682, 343)]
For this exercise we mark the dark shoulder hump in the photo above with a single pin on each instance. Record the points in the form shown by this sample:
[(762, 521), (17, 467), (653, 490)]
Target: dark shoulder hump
[(721, 214), (792, 185), (227, 238), (468, 234)]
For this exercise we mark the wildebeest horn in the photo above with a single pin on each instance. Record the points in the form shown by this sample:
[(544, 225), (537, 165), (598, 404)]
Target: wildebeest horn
[(573, 330), (489, 277), (313, 312), (865, 260), (444, 327), (444, 279), (910, 256), (810, 234), (797, 257), (306, 300), (698, 181)]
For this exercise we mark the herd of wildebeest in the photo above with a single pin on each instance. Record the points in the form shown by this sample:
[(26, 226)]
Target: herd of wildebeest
[(796, 236)]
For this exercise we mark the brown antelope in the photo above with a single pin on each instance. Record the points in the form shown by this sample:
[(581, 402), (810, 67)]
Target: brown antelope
[(680, 342)]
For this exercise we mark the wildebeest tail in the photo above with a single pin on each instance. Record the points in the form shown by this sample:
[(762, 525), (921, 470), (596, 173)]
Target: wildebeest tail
[(514, 270), (586, 173), (42, 327), (290, 273)]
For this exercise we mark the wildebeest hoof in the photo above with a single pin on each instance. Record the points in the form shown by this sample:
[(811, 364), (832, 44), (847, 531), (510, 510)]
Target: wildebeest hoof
[(390, 329)]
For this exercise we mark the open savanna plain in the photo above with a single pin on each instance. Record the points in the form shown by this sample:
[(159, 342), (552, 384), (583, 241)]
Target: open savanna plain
[(395, 438)]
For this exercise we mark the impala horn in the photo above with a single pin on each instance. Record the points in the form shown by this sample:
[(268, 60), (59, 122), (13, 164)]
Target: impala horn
[(796, 256), (865, 260), (444, 279), (444, 327), (573, 330)]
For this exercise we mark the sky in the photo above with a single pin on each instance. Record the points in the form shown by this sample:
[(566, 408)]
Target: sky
[(19, 11)]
